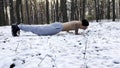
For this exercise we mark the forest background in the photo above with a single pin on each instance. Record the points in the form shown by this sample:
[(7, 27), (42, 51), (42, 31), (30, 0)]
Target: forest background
[(48, 11)]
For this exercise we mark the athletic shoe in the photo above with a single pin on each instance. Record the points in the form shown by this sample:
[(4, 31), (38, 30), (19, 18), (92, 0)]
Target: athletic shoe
[(15, 30)]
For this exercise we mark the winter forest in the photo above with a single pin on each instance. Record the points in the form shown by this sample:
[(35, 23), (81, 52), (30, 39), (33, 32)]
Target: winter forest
[(97, 46), (48, 11)]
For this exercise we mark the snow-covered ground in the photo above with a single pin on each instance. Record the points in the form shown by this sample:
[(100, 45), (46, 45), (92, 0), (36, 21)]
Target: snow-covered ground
[(96, 47)]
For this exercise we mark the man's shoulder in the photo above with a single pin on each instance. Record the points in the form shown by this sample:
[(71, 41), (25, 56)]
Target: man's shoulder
[(75, 21)]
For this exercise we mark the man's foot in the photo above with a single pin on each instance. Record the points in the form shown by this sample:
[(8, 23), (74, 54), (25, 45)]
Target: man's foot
[(15, 30)]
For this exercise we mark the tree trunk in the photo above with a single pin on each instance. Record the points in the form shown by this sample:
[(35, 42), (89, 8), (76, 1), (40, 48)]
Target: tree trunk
[(52, 11), (22, 15), (6, 14), (113, 6), (12, 17), (108, 9), (63, 7), (57, 6), (83, 9), (119, 9), (47, 11), (54, 14), (80, 9), (18, 3), (31, 12), (102, 10), (2, 14), (96, 10), (76, 10), (35, 12), (72, 10), (27, 11)]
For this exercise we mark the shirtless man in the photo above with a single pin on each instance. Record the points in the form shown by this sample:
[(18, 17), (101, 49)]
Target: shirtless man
[(51, 29), (75, 25)]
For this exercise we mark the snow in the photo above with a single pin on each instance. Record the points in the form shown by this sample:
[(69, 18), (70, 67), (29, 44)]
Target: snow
[(96, 47)]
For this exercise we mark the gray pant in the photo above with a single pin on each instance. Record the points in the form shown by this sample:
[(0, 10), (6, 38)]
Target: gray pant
[(50, 29)]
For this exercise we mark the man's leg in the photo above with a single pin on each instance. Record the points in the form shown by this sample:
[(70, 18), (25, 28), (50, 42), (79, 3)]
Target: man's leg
[(26, 28), (30, 28)]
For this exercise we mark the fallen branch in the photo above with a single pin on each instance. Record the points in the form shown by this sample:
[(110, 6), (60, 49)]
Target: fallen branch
[(42, 60), (85, 51), (16, 48), (51, 59)]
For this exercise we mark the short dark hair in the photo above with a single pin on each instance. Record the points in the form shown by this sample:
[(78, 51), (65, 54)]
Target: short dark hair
[(85, 22)]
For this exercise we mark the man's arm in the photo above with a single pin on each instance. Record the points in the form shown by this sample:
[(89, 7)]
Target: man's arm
[(76, 29)]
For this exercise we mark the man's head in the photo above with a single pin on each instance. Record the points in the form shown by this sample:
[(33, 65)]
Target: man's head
[(85, 24)]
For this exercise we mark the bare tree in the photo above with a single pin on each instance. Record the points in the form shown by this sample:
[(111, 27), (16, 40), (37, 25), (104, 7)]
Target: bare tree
[(53, 11), (72, 9), (80, 8), (21, 10), (108, 9), (57, 12), (101, 9), (42, 12), (2, 14), (31, 12), (97, 9), (113, 6), (6, 14), (119, 9), (83, 9), (18, 11), (47, 11), (12, 16), (27, 11), (63, 8), (35, 12), (90, 15)]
